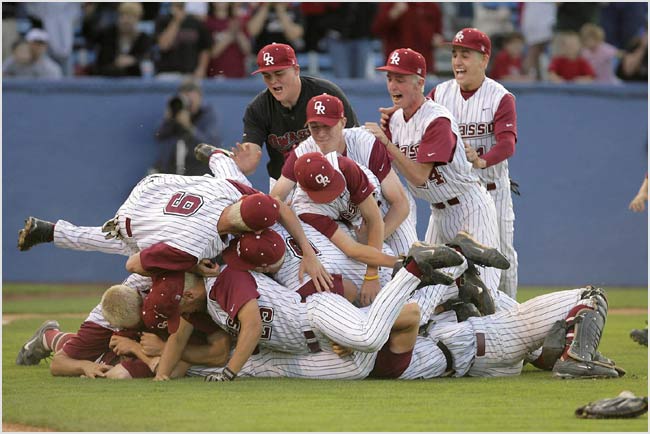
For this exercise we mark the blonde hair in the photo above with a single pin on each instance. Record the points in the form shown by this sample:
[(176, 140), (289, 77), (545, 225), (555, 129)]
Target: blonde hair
[(593, 31), (130, 8), (191, 279), (121, 306), (235, 218)]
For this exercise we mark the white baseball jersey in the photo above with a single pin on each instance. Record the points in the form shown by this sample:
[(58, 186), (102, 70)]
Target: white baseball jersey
[(360, 144), (475, 116), (291, 326), (506, 337)]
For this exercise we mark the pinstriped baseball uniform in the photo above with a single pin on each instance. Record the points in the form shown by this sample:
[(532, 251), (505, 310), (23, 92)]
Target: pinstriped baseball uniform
[(474, 210), (360, 145), (475, 118), (224, 167), (508, 336), (328, 316)]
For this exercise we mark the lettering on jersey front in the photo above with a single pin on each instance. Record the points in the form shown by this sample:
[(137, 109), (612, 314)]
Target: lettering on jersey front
[(351, 213), (480, 151), (287, 141), (476, 129), (411, 151), (295, 249), (183, 204), (266, 313), (436, 176)]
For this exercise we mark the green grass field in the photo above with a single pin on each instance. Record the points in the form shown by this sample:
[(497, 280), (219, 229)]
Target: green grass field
[(534, 401)]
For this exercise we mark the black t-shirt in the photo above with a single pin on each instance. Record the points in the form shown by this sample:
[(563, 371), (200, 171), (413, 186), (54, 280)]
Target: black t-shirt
[(183, 56), (267, 121)]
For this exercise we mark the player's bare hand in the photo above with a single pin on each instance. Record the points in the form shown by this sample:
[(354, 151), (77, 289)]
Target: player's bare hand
[(386, 113), (369, 291), (376, 131), (159, 377), (122, 345), (94, 370), (151, 344), (206, 268), (312, 266), (470, 153), (247, 156), (638, 204), (340, 350)]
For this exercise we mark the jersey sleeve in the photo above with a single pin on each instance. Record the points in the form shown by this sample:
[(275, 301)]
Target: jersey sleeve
[(321, 223), (233, 289), (242, 188), (288, 167), (438, 142), (162, 257), (357, 182), (89, 343), (380, 162)]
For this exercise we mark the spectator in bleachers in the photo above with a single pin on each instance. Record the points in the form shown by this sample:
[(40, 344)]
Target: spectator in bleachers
[(184, 42), (600, 55), (350, 38), (317, 19), (507, 64), (29, 58), (276, 22), (186, 123), (567, 65), (495, 18), (571, 16), (121, 47), (9, 28), (634, 63), (59, 20), (97, 17), (622, 21), (231, 44), (537, 22), (414, 25)]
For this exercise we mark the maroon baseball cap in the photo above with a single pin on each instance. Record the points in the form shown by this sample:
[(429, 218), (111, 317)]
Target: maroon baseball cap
[(251, 250), (318, 178), (473, 39), (326, 109), (405, 61), (160, 308), (274, 57), (259, 211)]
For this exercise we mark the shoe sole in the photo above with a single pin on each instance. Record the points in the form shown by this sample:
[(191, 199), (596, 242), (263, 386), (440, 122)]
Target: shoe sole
[(479, 253), (200, 155), (435, 256), (22, 235), (48, 325), (580, 377)]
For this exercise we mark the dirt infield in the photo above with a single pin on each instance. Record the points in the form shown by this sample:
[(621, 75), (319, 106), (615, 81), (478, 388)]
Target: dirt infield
[(16, 427)]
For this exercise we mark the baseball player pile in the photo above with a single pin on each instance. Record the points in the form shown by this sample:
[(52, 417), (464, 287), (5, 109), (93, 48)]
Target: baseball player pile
[(325, 276)]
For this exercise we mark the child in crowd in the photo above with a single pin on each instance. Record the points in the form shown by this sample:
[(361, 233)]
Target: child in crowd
[(507, 64), (600, 55), (567, 65)]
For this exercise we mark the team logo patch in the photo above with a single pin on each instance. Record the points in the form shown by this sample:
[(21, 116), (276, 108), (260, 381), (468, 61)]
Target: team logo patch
[(459, 37), (319, 107), (322, 179), (268, 59), (394, 58)]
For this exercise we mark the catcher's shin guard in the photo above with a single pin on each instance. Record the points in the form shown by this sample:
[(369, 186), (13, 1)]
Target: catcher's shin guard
[(589, 325)]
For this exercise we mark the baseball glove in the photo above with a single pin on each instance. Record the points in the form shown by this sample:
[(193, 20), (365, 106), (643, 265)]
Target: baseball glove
[(623, 406)]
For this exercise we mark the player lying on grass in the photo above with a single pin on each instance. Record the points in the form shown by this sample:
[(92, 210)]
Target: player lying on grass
[(326, 122), (259, 311), (113, 342)]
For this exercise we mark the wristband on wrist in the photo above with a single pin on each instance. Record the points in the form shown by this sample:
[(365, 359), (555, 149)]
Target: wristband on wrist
[(369, 278), (229, 374)]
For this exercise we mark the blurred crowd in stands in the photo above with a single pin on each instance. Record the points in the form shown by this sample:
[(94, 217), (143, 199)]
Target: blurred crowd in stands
[(552, 41)]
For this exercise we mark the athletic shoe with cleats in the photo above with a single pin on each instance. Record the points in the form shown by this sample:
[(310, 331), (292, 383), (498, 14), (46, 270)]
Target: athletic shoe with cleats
[(477, 252), (640, 336), (463, 310), (437, 277), (571, 368), (203, 151), (471, 289), (35, 232), (34, 350), (429, 257)]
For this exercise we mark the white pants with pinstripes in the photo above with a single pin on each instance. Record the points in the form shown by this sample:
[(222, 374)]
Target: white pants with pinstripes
[(90, 239), (506, 222)]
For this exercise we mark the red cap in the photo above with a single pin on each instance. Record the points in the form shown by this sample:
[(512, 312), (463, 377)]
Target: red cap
[(318, 178), (259, 211), (405, 61), (253, 250), (160, 308), (326, 109), (274, 57), (473, 39)]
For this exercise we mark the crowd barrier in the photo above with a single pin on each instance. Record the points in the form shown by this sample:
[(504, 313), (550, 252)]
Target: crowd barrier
[(73, 149)]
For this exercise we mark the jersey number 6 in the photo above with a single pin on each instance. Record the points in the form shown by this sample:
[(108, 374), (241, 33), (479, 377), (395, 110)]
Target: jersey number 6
[(183, 204)]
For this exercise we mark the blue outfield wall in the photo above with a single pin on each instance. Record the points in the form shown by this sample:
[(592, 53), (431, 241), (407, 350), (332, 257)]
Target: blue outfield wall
[(74, 149)]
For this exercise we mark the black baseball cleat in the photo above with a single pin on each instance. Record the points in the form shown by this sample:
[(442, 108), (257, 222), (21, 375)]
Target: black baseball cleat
[(462, 309), (640, 336), (35, 232), (429, 257), (477, 252), (471, 289), (203, 151), (571, 368), (437, 277), (34, 350)]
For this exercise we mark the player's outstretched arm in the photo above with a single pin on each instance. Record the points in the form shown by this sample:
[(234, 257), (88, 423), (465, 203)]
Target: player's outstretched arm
[(310, 263), (282, 188), (247, 156), (65, 366), (361, 252), (173, 350), (372, 217), (394, 193), (249, 335)]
